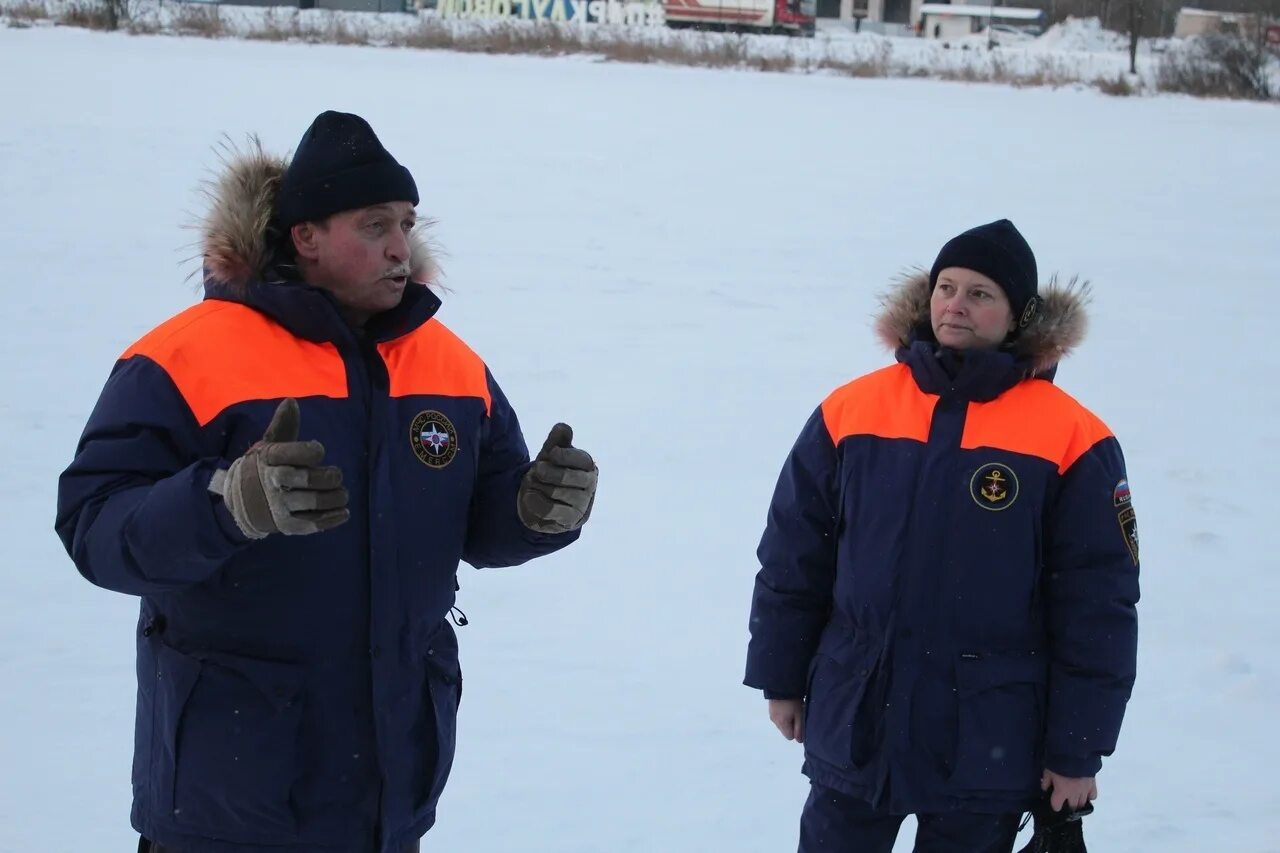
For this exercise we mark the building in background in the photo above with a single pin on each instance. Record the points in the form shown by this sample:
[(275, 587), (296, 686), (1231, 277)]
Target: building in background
[(901, 14), (950, 20), (1195, 22), (939, 18), (1162, 17)]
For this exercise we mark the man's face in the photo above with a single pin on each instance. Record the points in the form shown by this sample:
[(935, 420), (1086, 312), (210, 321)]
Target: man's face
[(360, 256)]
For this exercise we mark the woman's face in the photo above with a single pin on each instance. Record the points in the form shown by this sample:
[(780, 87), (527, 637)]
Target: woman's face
[(969, 311)]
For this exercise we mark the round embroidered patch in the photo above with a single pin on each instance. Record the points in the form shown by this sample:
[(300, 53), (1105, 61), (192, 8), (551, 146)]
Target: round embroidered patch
[(434, 440), (994, 486)]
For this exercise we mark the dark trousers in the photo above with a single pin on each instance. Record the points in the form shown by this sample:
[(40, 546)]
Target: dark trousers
[(833, 822), (145, 846)]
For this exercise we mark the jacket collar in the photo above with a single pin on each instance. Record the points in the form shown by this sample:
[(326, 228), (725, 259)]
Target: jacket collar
[(977, 375), (312, 314)]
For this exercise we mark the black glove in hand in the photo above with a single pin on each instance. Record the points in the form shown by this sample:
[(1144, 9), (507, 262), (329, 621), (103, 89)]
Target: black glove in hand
[(1057, 832), (557, 492), (279, 486)]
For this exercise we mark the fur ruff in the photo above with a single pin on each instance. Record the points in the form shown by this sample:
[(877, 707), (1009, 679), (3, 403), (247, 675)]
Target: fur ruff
[(1058, 329), (233, 233)]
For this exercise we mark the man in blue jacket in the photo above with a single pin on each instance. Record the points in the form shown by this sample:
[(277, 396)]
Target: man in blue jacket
[(288, 475)]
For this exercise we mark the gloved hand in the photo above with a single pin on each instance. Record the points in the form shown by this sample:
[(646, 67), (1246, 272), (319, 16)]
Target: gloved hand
[(279, 486), (557, 492), (1057, 832)]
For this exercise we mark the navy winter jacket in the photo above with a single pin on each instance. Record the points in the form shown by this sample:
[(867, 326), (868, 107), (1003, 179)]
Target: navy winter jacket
[(295, 692), (949, 575)]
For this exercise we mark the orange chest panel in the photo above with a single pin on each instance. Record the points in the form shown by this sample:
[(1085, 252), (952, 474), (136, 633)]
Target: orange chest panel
[(220, 353)]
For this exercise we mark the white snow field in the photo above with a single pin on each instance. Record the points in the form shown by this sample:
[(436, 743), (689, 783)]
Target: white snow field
[(680, 263)]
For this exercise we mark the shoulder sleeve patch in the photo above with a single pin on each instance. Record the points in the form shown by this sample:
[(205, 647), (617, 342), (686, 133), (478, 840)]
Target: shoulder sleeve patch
[(1127, 517)]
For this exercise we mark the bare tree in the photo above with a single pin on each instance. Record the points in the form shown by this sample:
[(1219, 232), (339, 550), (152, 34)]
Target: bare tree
[(1137, 16), (117, 12), (1268, 14)]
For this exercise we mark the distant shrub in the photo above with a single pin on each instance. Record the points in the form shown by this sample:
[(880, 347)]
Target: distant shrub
[(1121, 86), (100, 15), (200, 20), (338, 30), (1216, 65), (90, 16), (276, 25), (144, 26), (26, 11)]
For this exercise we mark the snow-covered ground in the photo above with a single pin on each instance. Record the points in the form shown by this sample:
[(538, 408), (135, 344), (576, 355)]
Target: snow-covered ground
[(680, 263)]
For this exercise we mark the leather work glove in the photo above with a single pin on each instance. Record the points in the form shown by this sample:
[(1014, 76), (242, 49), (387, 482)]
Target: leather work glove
[(279, 486), (1057, 832), (557, 492)]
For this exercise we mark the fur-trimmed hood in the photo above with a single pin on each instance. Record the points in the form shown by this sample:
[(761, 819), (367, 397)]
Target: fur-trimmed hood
[(1058, 329), (234, 231)]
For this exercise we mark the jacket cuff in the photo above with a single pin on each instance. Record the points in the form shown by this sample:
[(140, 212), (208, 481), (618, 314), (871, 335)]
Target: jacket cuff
[(1072, 766), (780, 694), (227, 523)]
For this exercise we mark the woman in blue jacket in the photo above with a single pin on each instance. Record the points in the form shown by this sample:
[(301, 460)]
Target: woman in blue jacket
[(945, 610)]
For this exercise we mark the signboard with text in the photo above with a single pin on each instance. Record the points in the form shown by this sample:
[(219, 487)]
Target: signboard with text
[(633, 14)]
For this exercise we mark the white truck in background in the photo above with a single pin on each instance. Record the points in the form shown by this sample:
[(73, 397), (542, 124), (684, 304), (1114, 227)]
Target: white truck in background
[(791, 17)]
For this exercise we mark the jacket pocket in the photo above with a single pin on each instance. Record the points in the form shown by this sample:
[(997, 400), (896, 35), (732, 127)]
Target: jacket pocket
[(1000, 722), (229, 756), (443, 696), (838, 731)]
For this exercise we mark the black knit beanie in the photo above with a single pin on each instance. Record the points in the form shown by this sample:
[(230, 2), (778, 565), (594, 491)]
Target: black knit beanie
[(999, 252), (340, 165)]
